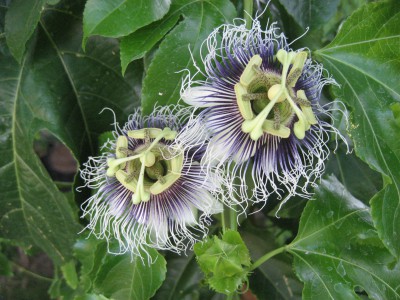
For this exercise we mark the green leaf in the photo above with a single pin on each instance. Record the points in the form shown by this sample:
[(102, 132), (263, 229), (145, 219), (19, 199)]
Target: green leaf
[(310, 13), (52, 2), (104, 138), (116, 18), (338, 249), (275, 278), (69, 273), (60, 89), (162, 82), (395, 107), (89, 251), (32, 208), (357, 177), (5, 266), (137, 44), (223, 261), (22, 18), (365, 59), (91, 297), (130, 278), (182, 280)]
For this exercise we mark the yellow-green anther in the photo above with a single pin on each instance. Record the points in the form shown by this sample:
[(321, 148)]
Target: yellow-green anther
[(299, 129), (307, 109), (293, 77), (244, 106), (122, 142), (159, 187), (176, 163), (141, 133), (301, 101), (169, 134), (298, 62), (153, 133), (309, 114), (111, 172), (166, 133), (251, 70), (140, 194), (161, 179), (302, 124), (268, 127), (117, 162), (113, 167), (285, 58), (126, 180)]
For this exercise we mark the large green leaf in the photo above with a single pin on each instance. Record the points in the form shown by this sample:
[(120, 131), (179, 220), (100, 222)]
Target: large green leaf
[(60, 89), (21, 20), (116, 276), (338, 249), (32, 209), (137, 44), (357, 177), (275, 278), (89, 251), (311, 13), (116, 18), (365, 59), (182, 280), (162, 82), (122, 277)]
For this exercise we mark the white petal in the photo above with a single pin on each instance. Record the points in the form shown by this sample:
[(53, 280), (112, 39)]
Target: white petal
[(200, 96)]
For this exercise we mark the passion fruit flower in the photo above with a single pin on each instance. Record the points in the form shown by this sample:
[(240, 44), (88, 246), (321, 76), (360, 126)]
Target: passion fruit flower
[(262, 107), (149, 185)]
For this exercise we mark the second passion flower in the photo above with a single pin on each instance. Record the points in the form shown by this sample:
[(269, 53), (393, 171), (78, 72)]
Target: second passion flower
[(150, 189), (261, 104)]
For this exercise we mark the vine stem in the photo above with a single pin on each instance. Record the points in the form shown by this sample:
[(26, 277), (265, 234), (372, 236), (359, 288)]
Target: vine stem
[(266, 256), (32, 274), (223, 223), (248, 13), (233, 219)]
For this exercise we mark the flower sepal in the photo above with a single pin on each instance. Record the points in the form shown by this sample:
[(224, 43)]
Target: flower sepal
[(224, 261)]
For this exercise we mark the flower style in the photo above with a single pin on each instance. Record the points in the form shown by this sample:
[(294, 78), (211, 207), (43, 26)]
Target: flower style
[(262, 107), (149, 184)]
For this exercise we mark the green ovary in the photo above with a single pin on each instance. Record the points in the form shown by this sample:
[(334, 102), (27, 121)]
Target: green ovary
[(148, 170), (268, 102)]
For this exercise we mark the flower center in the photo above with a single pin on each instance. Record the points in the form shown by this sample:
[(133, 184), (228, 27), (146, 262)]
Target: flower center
[(149, 169), (268, 102)]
